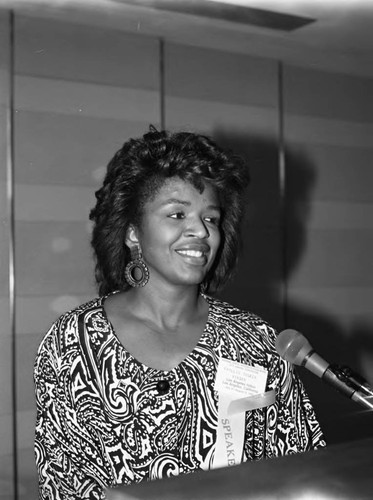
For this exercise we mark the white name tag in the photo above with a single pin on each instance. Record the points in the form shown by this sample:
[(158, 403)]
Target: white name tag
[(236, 382), (238, 379)]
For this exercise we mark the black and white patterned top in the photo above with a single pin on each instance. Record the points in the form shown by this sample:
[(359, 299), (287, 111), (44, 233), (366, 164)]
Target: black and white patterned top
[(104, 418)]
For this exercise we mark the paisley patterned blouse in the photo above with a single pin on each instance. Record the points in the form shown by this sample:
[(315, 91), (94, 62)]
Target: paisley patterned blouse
[(104, 418)]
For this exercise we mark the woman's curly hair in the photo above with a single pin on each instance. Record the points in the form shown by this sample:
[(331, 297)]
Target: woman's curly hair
[(133, 177)]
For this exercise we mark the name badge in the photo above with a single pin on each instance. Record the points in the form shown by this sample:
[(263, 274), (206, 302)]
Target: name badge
[(238, 379), (241, 388)]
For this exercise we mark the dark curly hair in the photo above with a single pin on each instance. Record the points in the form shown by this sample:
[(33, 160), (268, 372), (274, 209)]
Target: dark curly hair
[(133, 177)]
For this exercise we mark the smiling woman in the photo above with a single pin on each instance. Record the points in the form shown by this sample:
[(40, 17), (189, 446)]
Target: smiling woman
[(153, 173), (140, 382)]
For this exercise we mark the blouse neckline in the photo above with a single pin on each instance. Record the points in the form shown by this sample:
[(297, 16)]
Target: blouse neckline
[(140, 363)]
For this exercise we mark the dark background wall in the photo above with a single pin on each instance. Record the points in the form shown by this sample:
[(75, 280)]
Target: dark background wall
[(80, 91)]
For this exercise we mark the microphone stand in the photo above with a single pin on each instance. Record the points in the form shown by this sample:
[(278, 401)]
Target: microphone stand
[(350, 383), (356, 380)]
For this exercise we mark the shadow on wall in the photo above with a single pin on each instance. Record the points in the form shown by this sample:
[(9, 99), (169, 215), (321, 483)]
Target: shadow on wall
[(270, 255)]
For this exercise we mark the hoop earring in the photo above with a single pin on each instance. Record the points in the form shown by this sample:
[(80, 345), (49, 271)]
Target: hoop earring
[(136, 272)]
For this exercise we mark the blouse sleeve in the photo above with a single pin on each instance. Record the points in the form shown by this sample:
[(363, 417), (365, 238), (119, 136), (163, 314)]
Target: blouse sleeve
[(61, 476), (297, 427)]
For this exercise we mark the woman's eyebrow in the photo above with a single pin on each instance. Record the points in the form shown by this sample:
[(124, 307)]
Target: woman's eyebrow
[(176, 201)]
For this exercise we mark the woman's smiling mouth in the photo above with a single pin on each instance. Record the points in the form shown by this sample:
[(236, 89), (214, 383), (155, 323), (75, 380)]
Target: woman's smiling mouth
[(191, 253), (197, 254)]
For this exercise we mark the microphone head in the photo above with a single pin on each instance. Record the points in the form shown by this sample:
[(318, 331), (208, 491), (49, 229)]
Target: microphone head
[(293, 346)]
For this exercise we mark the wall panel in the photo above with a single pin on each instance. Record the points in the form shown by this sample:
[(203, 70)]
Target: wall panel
[(336, 96), (80, 93), (329, 118), (76, 52)]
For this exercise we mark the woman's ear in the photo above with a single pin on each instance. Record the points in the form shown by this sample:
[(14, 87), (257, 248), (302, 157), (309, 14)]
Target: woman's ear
[(131, 237)]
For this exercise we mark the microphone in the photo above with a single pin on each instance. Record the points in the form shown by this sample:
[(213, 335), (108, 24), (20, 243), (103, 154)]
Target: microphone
[(295, 348)]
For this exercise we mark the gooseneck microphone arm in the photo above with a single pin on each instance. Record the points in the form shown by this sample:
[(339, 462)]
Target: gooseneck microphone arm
[(355, 380), (295, 348)]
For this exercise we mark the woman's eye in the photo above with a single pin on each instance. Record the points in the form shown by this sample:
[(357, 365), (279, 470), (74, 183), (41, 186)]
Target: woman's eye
[(177, 215), (213, 220)]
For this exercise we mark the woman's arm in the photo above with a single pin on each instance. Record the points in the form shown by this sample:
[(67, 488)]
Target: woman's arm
[(297, 426), (61, 477)]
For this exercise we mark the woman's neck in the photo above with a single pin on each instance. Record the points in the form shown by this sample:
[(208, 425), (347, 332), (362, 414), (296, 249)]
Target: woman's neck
[(167, 308)]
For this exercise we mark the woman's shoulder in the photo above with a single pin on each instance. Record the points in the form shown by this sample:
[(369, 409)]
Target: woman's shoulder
[(236, 319), (228, 311), (64, 329), (73, 314)]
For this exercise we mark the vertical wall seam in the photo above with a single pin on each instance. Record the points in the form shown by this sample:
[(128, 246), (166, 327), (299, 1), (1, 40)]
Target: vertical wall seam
[(162, 102), (12, 275), (283, 196)]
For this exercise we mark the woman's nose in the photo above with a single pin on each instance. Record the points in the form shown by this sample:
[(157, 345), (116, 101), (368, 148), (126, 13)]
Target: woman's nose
[(196, 227)]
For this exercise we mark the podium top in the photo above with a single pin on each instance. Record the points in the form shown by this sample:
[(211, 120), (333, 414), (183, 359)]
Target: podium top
[(341, 471)]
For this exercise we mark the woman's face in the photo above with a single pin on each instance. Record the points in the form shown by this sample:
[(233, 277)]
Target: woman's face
[(179, 234)]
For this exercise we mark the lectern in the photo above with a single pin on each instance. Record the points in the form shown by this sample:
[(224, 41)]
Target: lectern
[(343, 471)]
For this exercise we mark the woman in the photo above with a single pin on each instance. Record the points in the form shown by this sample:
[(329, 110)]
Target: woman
[(139, 383)]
